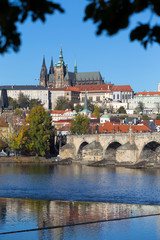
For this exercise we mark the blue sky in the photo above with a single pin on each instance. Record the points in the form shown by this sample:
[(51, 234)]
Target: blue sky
[(118, 60)]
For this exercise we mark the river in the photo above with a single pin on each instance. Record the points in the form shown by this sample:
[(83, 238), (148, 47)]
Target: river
[(28, 194)]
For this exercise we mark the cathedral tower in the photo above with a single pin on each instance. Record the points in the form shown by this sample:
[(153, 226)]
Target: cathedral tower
[(43, 75), (60, 71)]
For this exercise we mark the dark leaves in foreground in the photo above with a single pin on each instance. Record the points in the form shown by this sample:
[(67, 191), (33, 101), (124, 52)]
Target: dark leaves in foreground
[(113, 15), (14, 12)]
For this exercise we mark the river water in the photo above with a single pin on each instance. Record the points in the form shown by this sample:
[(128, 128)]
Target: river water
[(82, 194)]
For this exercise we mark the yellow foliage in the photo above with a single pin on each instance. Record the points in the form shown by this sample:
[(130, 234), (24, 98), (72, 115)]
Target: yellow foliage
[(16, 138)]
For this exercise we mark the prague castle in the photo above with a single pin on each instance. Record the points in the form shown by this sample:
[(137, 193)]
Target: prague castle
[(59, 76)]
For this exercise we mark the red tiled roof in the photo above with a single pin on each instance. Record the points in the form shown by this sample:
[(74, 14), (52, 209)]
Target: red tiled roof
[(143, 123), (157, 122), (63, 120), (147, 93), (140, 128), (110, 128), (98, 87), (58, 112), (73, 89), (123, 88), (65, 128)]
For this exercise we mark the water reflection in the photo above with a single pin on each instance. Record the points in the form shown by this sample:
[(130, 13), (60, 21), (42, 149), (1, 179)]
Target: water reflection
[(19, 214)]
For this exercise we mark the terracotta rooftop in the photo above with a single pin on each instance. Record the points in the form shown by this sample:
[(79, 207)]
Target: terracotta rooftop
[(98, 87), (157, 122), (61, 111), (123, 88), (73, 89), (110, 128), (147, 93)]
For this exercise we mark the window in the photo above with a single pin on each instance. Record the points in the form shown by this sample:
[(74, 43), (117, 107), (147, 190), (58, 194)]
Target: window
[(117, 96), (91, 99), (97, 99)]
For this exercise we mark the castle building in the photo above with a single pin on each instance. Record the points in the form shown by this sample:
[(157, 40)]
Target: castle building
[(59, 77)]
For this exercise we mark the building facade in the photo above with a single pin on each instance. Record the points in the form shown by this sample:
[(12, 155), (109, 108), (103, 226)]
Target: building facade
[(150, 100), (31, 91), (59, 76)]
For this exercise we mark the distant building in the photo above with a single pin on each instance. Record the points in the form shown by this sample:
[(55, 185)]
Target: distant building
[(122, 93), (59, 76), (150, 100), (31, 91)]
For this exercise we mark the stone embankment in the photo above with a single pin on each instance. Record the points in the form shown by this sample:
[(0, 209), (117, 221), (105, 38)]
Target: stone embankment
[(35, 160)]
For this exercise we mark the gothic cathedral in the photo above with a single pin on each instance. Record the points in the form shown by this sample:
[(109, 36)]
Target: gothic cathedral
[(59, 76)]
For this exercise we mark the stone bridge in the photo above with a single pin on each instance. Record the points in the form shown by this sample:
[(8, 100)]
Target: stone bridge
[(121, 147)]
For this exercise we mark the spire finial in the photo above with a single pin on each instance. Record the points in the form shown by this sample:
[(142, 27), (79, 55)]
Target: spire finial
[(75, 66), (44, 64), (51, 71)]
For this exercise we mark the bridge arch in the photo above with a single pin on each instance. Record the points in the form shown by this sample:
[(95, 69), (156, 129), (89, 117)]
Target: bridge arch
[(82, 145), (150, 151), (110, 150)]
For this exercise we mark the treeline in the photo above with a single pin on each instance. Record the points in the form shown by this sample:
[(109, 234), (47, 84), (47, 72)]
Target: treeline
[(23, 102)]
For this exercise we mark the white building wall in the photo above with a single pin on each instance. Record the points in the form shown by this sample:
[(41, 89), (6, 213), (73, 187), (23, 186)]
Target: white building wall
[(149, 101), (42, 95)]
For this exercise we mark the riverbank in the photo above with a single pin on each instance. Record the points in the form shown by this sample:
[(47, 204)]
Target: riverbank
[(69, 161), (35, 160)]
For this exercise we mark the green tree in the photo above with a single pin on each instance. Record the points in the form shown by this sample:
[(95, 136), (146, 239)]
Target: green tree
[(80, 125), (33, 103), (40, 132), (78, 107), (122, 110), (110, 16), (90, 106), (110, 109), (96, 112), (140, 107), (63, 104), (13, 103), (23, 101), (18, 112)]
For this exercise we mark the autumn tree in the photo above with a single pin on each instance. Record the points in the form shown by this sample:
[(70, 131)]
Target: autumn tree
[(40, 132), (80, 125), (96, 112), (16, 138)]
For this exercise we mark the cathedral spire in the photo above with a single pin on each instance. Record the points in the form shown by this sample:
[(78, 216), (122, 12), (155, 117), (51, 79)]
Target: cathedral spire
[(43, 74), (51, 70), (43, 64), (60, 62), (75, 66)]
